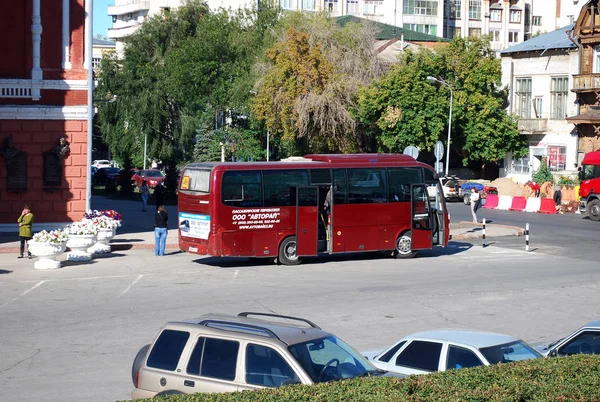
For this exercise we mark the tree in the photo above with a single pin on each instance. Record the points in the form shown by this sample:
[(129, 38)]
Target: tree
[(309, 83), (403, 108)]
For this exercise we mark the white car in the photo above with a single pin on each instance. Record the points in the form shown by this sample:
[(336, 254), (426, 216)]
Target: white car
[(449, 185), (586, 340), (102, 163), (442, 350)]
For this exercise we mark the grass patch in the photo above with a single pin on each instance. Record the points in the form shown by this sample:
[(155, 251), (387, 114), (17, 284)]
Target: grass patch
[(574, 378)]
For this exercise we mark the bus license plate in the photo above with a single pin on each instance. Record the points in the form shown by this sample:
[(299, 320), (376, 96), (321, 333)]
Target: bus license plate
[(193, 249)]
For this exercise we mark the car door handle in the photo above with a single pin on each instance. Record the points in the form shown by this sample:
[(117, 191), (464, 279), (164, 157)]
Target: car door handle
[(188, 383)]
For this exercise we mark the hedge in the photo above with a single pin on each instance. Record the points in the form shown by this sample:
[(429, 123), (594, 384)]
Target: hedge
[(574, 378)]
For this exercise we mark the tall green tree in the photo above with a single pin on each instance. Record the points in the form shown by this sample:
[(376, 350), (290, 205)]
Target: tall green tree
[(404, 108)]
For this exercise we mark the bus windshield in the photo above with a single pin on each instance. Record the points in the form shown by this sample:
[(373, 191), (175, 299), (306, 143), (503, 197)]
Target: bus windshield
[(197, 180)]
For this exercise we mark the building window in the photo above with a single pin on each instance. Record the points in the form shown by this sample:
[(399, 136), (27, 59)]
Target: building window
[(537, 21), (557, 158), (96, 62), (513, 37), (537, 107), (475, 9), (286, 4), (309, 5), (520, 165), (523, 98), (571, 19), (455, 8), (515, 16), (331, 6), (423, 28), (474, 32), (559, 91), (453, 32), (495, 15), (420, 7), (373, 7), (352, 7), (495, 36)]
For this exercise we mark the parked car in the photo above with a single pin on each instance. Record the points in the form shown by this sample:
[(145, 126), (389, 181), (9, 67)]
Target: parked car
[(223, 353), (466, 188), (585, 340), (152, 176), (105, 175), (101, 163), (449, 186), (441, 350)]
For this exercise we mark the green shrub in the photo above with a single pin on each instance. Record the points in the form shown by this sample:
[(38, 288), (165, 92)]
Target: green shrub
[(543, 174), (567, 181), (574, 378)]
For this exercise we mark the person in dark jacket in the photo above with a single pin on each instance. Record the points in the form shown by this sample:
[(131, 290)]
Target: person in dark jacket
[(159, 195), (161, 219)]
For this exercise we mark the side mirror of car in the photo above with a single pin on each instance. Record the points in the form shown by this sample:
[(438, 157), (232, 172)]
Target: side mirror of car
[(552, 353)]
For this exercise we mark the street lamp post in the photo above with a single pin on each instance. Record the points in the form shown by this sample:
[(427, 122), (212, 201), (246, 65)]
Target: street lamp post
[(443, 82)]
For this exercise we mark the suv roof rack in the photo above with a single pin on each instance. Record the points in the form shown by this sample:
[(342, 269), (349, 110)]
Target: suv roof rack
[(238, 327), (287, 317)]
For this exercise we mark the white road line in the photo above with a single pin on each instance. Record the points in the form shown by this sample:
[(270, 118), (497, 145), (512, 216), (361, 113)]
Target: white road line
[(132, 283), (23, 294)]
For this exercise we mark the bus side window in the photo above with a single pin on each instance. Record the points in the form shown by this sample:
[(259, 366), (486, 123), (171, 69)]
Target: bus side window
[(278, 186), (339, 187), (241, 188), (367, 186), (400, 180)]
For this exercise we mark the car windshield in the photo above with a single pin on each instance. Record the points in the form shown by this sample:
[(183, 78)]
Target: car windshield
[(152, 173), (329, 359), (509, 352), (111, 170)]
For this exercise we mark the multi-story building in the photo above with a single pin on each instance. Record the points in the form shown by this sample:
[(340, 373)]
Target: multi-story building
[(43, 110), (543, 16)]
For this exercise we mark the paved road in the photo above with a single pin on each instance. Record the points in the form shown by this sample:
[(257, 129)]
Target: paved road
[(71, 334), (571, 235)]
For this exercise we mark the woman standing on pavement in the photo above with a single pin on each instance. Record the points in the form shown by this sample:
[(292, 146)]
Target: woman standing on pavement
[(25, 222), (160, 230), (145, 190), (475, 202)]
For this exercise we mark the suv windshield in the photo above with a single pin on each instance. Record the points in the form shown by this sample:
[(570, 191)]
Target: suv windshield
[(329, 359), (509, 352)]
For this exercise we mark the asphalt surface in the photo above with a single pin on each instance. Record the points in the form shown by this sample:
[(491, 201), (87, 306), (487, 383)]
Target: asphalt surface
[(571, 235)]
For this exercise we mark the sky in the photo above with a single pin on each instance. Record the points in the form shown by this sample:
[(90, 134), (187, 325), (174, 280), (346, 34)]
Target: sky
[(102, 21)]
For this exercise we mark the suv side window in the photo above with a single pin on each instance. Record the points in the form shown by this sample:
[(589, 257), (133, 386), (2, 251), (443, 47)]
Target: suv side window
[(587, 342), (167, 349), (461, 358), (215, 358), (420, 355), (266, 367), (390, 353)]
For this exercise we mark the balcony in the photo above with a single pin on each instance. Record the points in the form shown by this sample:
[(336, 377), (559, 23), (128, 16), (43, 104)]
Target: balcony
[(532, 126), (129, 7), (118, 33), (586, 82)]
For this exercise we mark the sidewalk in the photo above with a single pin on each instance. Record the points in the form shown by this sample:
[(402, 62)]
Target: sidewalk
[(469, 230)]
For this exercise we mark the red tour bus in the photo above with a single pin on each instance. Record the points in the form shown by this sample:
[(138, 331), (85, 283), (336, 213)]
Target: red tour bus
[(305, 206)]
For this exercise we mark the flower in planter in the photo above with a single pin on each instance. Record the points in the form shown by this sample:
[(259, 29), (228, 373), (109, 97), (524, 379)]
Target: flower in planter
[(91, 214), (111, 213), (104, 222), (81, 228), (54, 236)]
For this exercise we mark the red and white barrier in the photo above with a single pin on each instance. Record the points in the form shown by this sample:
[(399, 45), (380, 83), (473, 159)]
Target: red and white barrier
[(533, 204), (504, 202), (491, 201), (548, 206), (518, 204), (510, 203)]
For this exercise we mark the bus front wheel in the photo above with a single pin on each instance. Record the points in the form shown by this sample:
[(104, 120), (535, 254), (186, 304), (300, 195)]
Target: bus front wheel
[(593, 208), (404, 246), (288, 252)]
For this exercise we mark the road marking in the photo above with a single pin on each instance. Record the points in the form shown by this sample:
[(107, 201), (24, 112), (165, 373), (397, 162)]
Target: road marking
[(132, 283), (37, 285)]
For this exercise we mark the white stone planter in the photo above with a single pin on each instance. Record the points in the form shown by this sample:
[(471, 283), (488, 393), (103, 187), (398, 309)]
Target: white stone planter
[(103, 238), (46, 253), (79, 245)]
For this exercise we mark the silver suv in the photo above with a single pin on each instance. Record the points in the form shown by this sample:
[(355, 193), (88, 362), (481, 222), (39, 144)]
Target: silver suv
[(223, 353)]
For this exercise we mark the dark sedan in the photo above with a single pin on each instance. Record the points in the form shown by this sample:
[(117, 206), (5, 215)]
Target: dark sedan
[(105, 175)]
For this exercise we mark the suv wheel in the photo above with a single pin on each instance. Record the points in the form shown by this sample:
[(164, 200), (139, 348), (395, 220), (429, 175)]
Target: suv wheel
[(404, 246), (288, 251), (466, 199), (138, 361)]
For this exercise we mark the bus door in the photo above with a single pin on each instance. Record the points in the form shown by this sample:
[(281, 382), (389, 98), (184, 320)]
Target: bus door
[(440, 219), (307, 220), (421, 229)]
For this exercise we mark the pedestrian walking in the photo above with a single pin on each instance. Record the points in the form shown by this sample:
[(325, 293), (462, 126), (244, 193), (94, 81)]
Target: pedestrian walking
[(145, 190), (159, 195), (25, 222), (475, 203), (161, 219)]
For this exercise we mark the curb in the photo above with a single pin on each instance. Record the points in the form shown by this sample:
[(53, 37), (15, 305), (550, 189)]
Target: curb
[(517, 231), (114, 247)]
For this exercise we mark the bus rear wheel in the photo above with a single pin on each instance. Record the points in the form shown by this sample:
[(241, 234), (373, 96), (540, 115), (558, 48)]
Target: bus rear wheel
[(593, 208), (404, 246), (288, 251)]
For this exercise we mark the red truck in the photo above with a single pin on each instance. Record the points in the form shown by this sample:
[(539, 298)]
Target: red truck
[(589, 187)]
